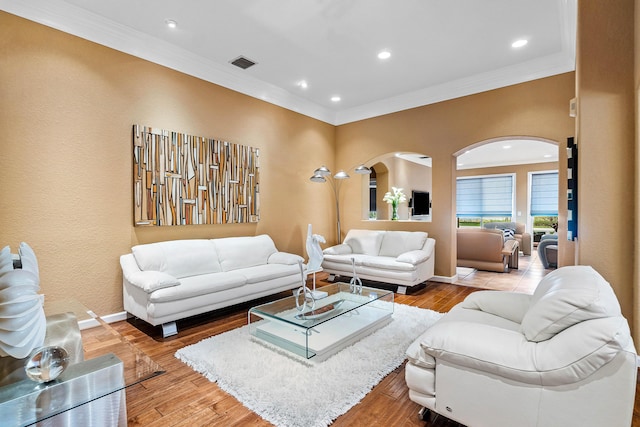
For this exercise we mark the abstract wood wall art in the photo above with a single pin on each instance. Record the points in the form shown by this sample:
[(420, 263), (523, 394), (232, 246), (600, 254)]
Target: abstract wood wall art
[(180, 179)]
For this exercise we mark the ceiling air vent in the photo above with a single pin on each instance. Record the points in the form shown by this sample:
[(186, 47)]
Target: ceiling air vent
[(243, 62)]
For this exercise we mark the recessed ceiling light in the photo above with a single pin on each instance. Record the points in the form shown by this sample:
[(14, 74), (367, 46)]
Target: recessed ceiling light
[(548, 156), (335, 98), (171, 23), (385, 54), (303, 84), (519, 43), (506, 147)]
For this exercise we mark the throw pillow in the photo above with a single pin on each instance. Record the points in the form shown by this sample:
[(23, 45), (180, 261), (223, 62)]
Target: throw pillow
[(509, 233)]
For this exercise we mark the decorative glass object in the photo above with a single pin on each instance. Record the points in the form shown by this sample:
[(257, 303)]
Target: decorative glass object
[(394, 211), (47, 364), (394, 199)]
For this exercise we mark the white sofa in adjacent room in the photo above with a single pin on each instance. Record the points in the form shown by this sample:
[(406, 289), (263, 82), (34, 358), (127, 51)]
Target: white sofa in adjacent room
[(563, 356), (403, 258), (167, 281)]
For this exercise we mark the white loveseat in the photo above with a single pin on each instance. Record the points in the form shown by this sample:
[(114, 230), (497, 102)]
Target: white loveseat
[(167, 281), (404, 258), (563, 356)]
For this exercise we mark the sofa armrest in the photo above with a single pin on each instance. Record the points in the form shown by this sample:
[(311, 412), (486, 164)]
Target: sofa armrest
[(284, 258), (413, 257), (148, 281), (509, 246), (341, 249), (568, 357), (526, 243), (429, 245), (508, 305)]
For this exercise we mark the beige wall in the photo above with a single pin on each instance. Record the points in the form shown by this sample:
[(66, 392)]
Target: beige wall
[(67, 107), (66, 112), (605, 134), (535, 109)]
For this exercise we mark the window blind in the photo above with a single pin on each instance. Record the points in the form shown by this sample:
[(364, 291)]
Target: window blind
[(544, 194), (484, 196)]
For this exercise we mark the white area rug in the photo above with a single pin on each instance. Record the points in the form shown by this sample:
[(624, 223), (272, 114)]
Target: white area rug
[(287, 390)]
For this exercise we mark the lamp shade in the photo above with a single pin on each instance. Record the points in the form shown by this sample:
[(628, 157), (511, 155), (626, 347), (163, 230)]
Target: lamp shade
[(362, 170), (322, 171), (317, 178), (341, 175)]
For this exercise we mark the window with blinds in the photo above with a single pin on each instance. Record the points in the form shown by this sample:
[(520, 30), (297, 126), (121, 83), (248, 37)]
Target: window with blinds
[(485, 196), (544, 194)]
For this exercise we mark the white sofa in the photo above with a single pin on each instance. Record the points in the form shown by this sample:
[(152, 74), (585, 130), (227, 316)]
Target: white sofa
[(563, 356), (404, 258), (167, 281)]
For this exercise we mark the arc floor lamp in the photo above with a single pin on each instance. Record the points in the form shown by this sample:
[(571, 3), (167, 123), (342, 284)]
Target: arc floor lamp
[(323, 174)]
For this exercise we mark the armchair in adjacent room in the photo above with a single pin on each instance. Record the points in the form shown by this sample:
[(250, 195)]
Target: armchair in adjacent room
[(548, 250), (563, 356), (519, 233)]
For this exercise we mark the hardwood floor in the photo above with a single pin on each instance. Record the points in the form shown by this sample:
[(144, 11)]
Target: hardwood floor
[(182, 397)]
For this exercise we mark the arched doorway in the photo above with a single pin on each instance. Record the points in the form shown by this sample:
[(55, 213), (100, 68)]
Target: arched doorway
[(519, 160)]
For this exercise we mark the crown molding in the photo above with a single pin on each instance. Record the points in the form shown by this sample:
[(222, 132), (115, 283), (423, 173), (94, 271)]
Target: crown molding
[(89, 26), (81, 23), (495, 79)]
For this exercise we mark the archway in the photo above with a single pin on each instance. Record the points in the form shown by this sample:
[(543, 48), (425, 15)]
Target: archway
[(523, 160), (409, 171)]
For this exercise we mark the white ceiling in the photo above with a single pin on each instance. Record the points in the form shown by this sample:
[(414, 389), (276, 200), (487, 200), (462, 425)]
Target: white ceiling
[(508, 152), (440, 49)]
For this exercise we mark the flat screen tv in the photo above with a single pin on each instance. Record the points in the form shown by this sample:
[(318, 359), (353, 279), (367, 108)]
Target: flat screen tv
[(420, 202)]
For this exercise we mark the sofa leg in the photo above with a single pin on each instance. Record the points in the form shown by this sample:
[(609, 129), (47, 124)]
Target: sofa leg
[(424, 414), (402, 290), (168, 329)]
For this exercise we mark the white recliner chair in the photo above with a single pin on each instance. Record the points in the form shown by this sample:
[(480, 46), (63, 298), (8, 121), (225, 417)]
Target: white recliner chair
[(563, 356)]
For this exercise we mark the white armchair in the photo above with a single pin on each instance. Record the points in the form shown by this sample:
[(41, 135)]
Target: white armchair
[(563, 356)]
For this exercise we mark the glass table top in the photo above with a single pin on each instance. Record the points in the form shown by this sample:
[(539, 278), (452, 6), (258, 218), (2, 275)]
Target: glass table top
[(100, 357), (339, 301)]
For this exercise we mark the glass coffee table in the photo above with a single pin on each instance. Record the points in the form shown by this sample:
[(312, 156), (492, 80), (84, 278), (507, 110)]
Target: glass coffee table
[(319, 330)]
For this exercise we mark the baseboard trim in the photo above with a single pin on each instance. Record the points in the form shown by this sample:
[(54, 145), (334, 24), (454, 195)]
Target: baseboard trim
[(109, 318), (445, 279)]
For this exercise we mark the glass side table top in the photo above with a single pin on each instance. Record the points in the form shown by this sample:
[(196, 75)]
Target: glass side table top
[(322, 329), (100, 354)]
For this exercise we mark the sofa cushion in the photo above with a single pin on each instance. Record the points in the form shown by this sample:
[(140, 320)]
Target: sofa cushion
[(242, 252), (195, 286), (395, 243), (565, 297), (263, 273), (365, 242), (179, 258), (413, 257), (385, 263)]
